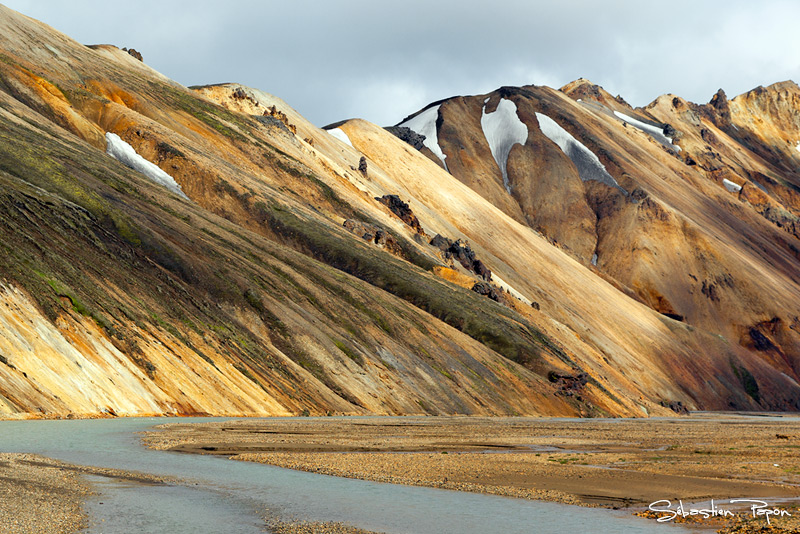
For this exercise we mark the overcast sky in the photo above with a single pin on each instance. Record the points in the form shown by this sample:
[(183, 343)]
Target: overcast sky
[(382, 60)]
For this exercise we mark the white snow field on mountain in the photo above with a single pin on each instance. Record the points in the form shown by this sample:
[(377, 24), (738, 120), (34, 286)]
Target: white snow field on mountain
[(425, 124), (655, 132), (503, 129), (588, 164), (125, 154)]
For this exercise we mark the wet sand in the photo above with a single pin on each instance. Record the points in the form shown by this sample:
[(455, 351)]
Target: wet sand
[(36, 495), (614, 464), (308, 527), (40, 495)]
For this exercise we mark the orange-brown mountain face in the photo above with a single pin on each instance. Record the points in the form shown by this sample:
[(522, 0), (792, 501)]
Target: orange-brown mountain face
[(690, 210), (166, 250)]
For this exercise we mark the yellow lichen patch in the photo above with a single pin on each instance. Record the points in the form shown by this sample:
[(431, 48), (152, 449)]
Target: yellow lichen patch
[(113, 92), (51, 100), (451, 275)]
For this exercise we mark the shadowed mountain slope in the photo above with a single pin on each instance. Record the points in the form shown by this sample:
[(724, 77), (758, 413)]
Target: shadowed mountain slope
[(704, 236), (289, 269)]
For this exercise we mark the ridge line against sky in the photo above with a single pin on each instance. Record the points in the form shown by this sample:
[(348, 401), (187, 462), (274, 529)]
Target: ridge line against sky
[(337, 59)]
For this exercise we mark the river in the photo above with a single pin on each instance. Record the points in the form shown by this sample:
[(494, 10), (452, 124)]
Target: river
[(224, 496)]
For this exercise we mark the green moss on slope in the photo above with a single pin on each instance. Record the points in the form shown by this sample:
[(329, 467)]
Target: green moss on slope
[(493, 325)]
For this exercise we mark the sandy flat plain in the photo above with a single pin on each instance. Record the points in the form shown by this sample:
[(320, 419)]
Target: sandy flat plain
[(622, 463), (40, 495)]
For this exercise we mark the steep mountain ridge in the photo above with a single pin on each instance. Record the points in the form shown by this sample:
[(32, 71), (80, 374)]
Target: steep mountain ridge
[(290, 280), (677, 242), (214, 312)]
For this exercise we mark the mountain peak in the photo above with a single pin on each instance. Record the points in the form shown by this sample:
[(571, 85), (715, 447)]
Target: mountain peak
[(786, 85), (583, 89)]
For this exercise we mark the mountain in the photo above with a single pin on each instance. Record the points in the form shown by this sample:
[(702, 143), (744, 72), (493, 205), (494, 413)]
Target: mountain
[(168, 250), (690, 210)]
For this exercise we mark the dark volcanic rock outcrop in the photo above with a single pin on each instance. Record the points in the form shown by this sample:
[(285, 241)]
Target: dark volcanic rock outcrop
[(489, 290), (408, 135), (374, 234), (133, 52), (676, 406), (718, 109), (568, 385), (463, 254), (401, 209)]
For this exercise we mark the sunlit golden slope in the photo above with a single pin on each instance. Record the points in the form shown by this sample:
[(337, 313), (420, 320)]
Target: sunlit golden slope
[(120, 297), (721, 264), (259, 294), (251, 297)]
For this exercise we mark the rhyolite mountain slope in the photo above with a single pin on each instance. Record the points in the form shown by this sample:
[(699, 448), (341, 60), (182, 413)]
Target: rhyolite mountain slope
[(288, 269), (700, 222)]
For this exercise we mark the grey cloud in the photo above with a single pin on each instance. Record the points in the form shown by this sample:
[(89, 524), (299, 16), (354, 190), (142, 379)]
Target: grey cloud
[(381, 61)]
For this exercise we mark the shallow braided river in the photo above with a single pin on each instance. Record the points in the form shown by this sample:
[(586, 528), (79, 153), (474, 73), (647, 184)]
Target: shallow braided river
[(216, 495)]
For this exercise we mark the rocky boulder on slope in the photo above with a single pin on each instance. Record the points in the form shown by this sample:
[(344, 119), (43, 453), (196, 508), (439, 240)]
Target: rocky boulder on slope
[(403, 211)]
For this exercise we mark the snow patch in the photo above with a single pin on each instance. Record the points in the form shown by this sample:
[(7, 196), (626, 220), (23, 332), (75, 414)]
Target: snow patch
[(125, 154), (425, 124), (594, 259), (654, 131), (486, 100), (798, 146), (503, 129), (339, 134), (502, 284), (731, 186), (589, 165)]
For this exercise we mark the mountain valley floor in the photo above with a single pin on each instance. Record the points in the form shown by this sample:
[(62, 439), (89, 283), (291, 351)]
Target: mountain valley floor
[(612, 463)]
